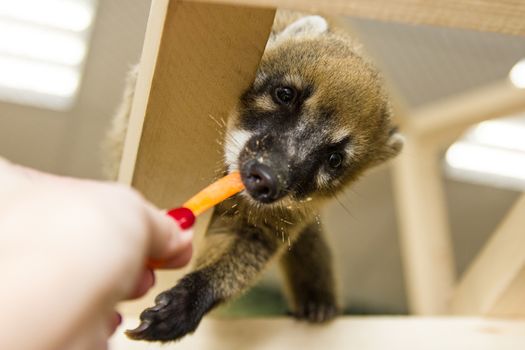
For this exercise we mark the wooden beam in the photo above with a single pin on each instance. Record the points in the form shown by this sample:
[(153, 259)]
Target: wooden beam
[(444, 121), (426, 248), (150, 52), (363, 333), (504, 16), (495, 283), (197, 60)]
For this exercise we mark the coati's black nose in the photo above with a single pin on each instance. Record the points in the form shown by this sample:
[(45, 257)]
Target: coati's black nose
[(261, 182)]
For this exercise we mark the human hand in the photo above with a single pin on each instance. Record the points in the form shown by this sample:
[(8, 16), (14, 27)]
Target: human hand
[(69, 251)]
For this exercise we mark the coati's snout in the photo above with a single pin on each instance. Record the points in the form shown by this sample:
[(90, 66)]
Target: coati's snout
[(261, 182), (264, 169)]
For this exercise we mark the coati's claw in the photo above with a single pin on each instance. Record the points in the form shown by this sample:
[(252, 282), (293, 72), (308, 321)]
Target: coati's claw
[(162, 300), (135, 333), (316, 312), (177, 311)]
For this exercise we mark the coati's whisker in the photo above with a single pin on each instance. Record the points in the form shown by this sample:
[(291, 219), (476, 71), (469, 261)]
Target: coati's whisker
[(318, 220), (216, 121), (286, 221), (343, 206)]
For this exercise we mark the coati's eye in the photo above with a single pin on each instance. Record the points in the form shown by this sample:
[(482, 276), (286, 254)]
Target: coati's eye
[(284, 95), (335, 160)]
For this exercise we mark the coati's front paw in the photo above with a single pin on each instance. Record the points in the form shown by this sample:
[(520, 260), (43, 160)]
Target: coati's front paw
[(177, 311), (316, 312)]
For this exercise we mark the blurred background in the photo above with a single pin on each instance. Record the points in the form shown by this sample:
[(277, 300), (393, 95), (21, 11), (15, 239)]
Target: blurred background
[(62, 74)]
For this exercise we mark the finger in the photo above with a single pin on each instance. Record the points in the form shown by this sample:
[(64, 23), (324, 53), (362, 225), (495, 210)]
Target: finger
[(145, 282), (33, 174), (167, 240), (179, 260), (12, 177), (114, 321)]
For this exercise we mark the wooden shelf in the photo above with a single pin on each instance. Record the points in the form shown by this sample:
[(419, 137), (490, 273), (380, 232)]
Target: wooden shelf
[(494, 284), (503, 16), (360, 333)]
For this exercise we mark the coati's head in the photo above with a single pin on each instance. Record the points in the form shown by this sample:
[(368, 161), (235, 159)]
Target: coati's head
[(314, 119)]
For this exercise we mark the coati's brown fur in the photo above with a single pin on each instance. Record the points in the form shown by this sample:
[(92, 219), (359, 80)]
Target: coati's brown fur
[(315, 118)]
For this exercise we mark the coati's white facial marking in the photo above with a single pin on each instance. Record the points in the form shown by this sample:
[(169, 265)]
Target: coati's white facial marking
[(235, 142), (265, 103), (294, 81), (322, 179), (259, 79), (339, 135)]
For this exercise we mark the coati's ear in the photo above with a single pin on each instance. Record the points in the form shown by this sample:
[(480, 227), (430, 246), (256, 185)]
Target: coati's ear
[(305, 26), (394, 144)]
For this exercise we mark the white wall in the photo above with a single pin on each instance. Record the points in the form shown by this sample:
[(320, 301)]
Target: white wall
[(69, 142)]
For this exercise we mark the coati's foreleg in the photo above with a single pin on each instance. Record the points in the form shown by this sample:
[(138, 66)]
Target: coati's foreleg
[(227, 265), (308, 269)]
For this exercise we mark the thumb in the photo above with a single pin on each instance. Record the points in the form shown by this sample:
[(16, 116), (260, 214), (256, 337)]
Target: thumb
[(170, 246)]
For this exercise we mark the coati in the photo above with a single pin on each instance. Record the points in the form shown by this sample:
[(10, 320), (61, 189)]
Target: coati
[(315, 118)]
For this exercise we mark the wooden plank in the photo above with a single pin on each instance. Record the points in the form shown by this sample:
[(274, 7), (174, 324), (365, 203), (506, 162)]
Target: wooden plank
[(150, 51), (197, 59), (443, 121), (426, 248), (362, 333), (504, 16), (207, 56), (495, 283), (171, 148)]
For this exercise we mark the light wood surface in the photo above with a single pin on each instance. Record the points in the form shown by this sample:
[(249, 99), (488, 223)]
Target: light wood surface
[(444, 121), (360, 333), (150, 51), (503, 16), (426, 249), (206, 56), (422, 215), (495, 283), (197, 59)]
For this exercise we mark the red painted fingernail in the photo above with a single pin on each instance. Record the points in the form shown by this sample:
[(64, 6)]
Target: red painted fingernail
[(184, 217), (155, 264)]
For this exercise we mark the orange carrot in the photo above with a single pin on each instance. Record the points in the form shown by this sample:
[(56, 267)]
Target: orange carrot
[(215, 193), (210, 196)]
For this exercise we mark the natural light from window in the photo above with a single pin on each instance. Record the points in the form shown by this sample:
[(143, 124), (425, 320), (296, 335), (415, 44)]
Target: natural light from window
[(43, 46), (492, 153), (517, 74)]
